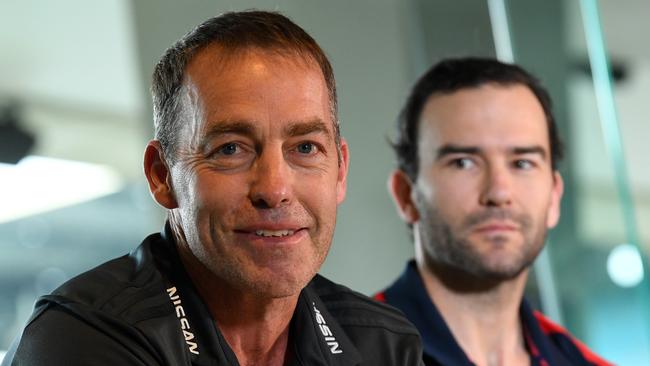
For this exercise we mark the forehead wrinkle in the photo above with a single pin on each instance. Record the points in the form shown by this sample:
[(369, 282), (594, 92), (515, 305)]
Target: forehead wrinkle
[(217, 58)]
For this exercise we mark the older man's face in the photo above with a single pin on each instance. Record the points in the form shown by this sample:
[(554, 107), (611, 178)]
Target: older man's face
[(257, 178)]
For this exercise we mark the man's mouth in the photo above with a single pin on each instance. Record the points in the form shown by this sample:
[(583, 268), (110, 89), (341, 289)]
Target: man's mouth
[(273, 233), (496, 226)]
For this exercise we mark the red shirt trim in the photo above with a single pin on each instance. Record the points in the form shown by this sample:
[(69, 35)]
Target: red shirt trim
[(549, 327), (380, 297)]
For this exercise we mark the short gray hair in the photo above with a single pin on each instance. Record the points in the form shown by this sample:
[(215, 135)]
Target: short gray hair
[(233, 31)]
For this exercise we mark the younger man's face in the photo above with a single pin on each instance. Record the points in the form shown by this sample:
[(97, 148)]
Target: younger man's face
[(486, 193)]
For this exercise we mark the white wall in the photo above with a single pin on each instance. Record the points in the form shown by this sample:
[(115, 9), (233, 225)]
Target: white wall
[(69, 52)]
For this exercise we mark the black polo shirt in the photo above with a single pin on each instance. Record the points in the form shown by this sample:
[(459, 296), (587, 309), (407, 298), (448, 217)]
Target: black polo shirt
[(142, 309), (548, 344)]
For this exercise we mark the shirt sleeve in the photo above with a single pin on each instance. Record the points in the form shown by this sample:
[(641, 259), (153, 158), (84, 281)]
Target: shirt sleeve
[(56, 337)]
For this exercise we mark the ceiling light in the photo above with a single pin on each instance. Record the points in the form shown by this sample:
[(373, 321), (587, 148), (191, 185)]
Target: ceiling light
[(624, 265), (38, 184)]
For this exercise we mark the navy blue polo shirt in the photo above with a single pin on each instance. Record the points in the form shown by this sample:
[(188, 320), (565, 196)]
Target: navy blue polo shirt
[(548, 344)]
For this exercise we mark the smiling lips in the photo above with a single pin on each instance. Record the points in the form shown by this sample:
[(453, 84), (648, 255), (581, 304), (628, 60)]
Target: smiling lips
[(274, 233)]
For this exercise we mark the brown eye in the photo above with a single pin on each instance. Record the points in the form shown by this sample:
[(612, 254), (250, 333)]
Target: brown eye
[(523, 164), (463, 163)]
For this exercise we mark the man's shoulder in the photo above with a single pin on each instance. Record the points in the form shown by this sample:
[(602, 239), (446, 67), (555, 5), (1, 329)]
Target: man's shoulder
[(352, 308), (380, 333), (569, 345), (129, 287), (119, 308), (57, 336)]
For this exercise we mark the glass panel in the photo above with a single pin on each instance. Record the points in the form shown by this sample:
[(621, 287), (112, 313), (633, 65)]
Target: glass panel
[(595, 266)]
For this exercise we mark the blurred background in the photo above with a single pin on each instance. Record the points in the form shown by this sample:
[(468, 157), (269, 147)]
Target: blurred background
[(75, 116)]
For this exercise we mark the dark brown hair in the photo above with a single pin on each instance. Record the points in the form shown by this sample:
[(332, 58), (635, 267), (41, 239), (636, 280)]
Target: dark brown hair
[(451, 75)]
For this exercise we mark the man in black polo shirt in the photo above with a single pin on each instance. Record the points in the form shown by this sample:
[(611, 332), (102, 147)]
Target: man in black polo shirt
[(477, 180), (249, 163)]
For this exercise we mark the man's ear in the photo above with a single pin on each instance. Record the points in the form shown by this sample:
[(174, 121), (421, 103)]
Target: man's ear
[(341, 185), (158, 175), (553, 215), (401, 189)]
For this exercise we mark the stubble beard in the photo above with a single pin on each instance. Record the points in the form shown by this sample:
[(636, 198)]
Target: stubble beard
[(449, 250), (241, 272), (288, 282)]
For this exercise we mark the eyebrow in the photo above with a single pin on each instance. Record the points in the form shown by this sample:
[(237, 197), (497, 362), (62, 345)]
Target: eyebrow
[(473, 150), (244, 128), (456, 149), (530, 150), (306, 128)]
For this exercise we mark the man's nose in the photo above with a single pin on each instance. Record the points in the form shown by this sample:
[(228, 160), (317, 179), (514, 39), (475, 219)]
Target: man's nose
[(271, 186), (497, 186)]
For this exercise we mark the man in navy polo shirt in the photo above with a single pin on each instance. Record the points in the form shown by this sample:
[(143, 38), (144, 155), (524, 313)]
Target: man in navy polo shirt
[(477, 181)]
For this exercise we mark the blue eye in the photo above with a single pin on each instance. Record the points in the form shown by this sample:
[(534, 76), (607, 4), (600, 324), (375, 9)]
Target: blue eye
[(306, 148), (228, 149)]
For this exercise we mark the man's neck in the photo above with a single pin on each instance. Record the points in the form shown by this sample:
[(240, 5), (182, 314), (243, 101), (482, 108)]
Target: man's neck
[(261, 336), (485, 323), (255, 327)]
